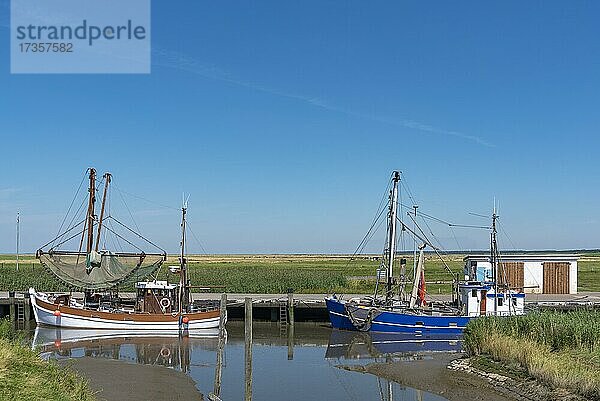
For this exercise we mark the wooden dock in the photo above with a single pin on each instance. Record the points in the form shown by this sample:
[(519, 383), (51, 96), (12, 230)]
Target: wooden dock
[(289, 308), (17, 306)]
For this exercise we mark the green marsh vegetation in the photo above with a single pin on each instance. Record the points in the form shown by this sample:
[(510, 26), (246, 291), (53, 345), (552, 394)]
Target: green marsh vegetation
[(559, 349), (251, 274), (25, 376), (276, 273)]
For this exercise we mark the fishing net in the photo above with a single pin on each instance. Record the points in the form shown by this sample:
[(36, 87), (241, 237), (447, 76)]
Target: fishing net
[(87, 272)]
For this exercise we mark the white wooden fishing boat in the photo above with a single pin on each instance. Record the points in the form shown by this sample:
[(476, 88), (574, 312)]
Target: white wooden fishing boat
[(52, 310), (98, 273)]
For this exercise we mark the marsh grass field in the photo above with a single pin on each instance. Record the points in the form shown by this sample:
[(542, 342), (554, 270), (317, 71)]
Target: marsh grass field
[(271, 274), (559, 349)]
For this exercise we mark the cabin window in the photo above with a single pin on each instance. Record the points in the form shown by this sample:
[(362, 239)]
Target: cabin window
[(474, 293), (500, 301), (514, 301), (452, 324), (419, 323)]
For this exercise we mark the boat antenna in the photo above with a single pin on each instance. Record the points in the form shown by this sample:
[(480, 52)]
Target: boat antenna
[(392, 235)]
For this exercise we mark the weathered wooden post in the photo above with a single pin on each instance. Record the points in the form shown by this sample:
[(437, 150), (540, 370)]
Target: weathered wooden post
[(248, 349), (27, 310), (219, 367), (290, 342), (11, 303), (291, 306)]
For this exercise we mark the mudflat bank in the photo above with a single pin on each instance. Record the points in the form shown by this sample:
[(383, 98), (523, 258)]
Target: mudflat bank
[(432, 375), (117, 380), (455, 377)]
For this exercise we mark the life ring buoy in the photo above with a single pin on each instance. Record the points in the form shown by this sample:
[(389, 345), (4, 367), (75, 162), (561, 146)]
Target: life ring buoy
[(165, 352), (165, 302)]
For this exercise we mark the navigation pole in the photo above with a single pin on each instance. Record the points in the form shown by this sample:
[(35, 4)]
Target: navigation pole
[(494, 259)]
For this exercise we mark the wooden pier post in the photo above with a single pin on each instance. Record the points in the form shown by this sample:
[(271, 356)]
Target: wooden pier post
[(291, 307), (248, 349), (290, 342), (27, 310), (219, 367), (11, 303)]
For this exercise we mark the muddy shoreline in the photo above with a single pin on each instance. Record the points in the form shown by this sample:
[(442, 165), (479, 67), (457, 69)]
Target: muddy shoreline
[(456, 377), (432, 375), (118, 380)]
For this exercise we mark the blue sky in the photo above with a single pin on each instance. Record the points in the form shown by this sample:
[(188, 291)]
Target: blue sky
[(283, 121)]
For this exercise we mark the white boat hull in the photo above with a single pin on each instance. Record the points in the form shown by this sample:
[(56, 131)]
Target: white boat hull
[(70, 317)]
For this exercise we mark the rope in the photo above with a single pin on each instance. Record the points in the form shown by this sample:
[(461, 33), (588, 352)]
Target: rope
[(368, 235), (61, 235), (148, 200), (136, 233), (124, 239), (366, 324), (196, 238), (379, 211), (127, 207), (433, 247), (68, 239), (70, 206)]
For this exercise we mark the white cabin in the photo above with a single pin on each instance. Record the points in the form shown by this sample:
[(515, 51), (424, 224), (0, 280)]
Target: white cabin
[(477, 299), (528, 273)]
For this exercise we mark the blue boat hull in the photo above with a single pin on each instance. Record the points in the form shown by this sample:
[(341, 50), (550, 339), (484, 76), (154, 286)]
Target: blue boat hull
[(397, 322)]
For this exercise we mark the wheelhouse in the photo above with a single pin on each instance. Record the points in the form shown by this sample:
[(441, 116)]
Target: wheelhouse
[(156, 297)]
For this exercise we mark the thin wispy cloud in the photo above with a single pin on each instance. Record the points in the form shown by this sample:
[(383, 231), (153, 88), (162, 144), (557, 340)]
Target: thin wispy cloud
[(6, 192), (170, 59)]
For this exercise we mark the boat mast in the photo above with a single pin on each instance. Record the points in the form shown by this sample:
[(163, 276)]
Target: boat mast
[(90, 212), (392, 235), (107, 177), (183, 285), (415, 207)]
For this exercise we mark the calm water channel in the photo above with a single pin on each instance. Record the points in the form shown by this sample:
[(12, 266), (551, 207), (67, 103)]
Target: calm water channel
[(304, 363)]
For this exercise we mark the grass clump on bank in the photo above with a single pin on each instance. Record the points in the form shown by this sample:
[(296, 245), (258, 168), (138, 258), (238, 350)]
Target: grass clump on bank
[(559, 349), (25, 376)]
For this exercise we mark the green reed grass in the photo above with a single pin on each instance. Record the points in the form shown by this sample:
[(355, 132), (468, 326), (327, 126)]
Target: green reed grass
[(25, 376), (560, 349)]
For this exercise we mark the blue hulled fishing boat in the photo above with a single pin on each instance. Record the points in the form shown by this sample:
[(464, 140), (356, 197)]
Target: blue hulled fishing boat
[(393, 309)]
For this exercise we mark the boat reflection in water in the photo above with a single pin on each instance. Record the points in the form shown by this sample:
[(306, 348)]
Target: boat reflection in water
[(356, 345), (362, 348), (288, 361), (143, 347)]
